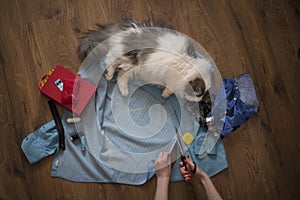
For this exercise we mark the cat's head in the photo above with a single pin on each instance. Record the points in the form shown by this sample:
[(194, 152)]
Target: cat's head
[(198, 87), (196, 90), (199, 80)]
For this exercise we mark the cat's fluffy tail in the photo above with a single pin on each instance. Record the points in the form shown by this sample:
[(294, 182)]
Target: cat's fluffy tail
[(92, 38)]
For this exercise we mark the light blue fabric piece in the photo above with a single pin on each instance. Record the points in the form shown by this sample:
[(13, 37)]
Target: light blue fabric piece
[(126, 138), (98, 171), (41, 143), (80, 166), (90, 166)]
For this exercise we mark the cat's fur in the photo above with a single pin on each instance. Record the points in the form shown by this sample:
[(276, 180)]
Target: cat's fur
[(159, 56)]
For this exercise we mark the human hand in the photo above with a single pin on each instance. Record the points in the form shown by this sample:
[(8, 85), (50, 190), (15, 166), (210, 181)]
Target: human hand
[(190, 172), (163, 172), (200, 177), (163, 165)]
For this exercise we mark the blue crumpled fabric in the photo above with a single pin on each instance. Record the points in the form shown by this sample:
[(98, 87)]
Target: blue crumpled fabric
[(241, 102)]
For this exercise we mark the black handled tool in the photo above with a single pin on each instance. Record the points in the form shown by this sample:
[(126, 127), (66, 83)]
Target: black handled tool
[(59, 126)]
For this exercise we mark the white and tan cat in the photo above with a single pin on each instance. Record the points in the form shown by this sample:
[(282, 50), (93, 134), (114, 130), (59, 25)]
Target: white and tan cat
[(150, 52)]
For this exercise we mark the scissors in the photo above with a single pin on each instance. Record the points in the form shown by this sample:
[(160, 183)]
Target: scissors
[(183, 157)]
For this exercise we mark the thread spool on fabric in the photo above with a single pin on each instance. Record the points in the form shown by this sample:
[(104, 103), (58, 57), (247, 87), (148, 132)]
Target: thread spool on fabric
[(73, 120), (82, 143)]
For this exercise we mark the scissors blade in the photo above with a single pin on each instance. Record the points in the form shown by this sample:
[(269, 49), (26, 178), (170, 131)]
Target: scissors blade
[(181, 150), (179, 143)]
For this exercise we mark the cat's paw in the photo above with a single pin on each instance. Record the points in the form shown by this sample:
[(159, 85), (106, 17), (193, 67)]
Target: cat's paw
[(108, 76), (166, 93), (123, 90)]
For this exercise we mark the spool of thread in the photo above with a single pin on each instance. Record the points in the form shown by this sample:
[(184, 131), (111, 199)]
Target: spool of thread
[(82, 143), (74, 135), (73, 120)]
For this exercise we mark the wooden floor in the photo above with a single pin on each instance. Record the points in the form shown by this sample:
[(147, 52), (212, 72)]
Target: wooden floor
[(258, 37)]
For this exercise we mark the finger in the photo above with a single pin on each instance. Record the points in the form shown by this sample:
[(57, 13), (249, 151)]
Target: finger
[(182, 167), (183, 171), (181, 164), (161, 154), (186, 174), (188, 179), (165, 156), (189, 162), (156, 164), (192, 167), (187, 159)]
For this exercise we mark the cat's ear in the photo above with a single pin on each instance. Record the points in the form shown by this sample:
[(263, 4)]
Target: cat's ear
[(198, 86)]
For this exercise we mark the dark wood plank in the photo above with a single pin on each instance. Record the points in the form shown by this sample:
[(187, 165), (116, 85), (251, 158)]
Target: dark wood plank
[(256, 37)]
